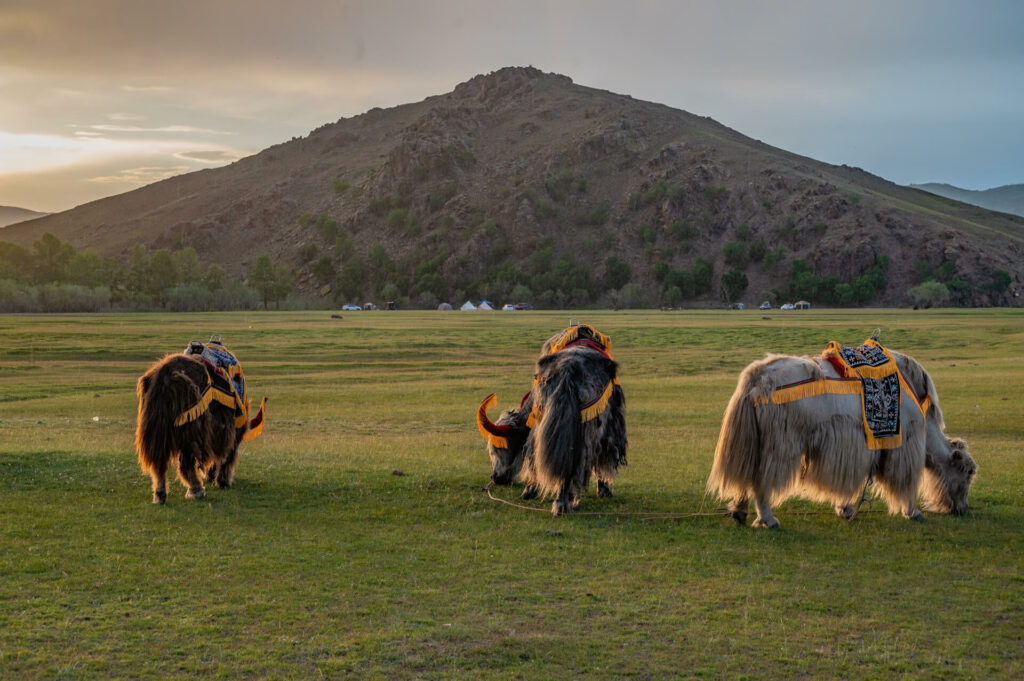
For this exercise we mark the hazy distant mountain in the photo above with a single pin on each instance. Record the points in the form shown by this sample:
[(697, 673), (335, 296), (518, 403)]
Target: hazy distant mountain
[(524, 181), (1006, 199), (10, 215)]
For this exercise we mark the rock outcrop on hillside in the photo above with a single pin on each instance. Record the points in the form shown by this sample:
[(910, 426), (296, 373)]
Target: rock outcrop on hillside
[(523, 184)]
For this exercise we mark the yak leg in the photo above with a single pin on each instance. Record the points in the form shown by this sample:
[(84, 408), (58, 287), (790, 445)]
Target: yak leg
[(846, 511), (604, 488), (738, 509), (913, 514), (565, 501), (226, 469), (562, 505), (188, 474), (159, 475), (764, 513)]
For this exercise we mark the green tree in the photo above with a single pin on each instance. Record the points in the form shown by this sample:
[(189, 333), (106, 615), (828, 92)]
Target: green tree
[(213, 279), (616, 272), (162, 274), (282, 284), (138, 267), (929, 293), (190, 270), (51, 257), (703, 271), (262, 278), (735, 253), (87, 268), (323, 270), (734, 285), (1000, 281)]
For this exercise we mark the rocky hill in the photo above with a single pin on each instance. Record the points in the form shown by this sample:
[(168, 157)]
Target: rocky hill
[(10, 215), (523, 185), (1006, 199)]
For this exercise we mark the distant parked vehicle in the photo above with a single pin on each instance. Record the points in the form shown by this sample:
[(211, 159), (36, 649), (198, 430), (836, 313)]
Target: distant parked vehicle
[(524, 306), (787, 306), (766, 305), (508, 307), (351, 308)]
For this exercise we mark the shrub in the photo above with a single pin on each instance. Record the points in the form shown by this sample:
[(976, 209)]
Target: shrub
[(646, 197), (597, 216), (441, 195), (715, 195), (616, 272), (735, 253), (703, 271), (929, 293), (340, 187), (307, 252), (682, 230), (756, 250), (558, 186), (734, 285), (323, 270), (743, 232)]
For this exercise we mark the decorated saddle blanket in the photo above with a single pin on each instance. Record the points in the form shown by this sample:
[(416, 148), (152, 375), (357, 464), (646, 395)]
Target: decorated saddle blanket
[(226, 385), (880, 386), (585, 335), (582, 334), (870, 372), (576, 334)]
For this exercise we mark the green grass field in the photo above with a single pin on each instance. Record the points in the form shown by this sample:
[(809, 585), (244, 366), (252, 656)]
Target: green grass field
[(323, 562)]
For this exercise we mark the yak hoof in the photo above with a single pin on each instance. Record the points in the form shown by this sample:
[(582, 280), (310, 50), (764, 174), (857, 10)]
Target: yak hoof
[(847, 511), (561, 507), (916, 516), (771, 524), (604, 489), (195, 493), (530, 492), (160, 497), (740, 516)]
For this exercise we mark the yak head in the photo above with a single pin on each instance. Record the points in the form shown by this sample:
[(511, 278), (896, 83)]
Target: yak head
[(506, 439), (949, 472)]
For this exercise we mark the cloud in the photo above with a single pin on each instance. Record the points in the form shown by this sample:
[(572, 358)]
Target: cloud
[(147, 88), (125, 117), (210, 156), (141, 176), (165, 128)]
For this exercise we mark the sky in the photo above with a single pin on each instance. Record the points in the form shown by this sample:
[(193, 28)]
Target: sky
[(98, 97)]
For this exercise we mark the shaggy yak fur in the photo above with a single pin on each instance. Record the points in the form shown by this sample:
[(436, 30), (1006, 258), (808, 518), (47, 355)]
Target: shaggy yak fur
[(206, 447), (559, 454), (816, 447)]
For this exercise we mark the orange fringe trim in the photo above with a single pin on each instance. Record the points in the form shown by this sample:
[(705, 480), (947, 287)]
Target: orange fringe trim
[(200, 407)]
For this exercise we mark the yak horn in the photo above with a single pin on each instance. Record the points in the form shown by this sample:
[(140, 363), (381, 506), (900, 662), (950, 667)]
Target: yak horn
[(494, 434)]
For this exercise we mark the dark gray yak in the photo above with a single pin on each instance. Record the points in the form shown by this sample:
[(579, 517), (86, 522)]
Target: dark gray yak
[(570, 426)]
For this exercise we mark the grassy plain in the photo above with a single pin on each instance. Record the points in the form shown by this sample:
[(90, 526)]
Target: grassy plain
[(323, 563)]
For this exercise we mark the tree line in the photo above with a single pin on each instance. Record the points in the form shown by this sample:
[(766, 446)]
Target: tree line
[(52, 276)]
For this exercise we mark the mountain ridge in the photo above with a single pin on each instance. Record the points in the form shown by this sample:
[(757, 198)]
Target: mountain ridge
[(517, 173), (1008, 198), (10, 215)]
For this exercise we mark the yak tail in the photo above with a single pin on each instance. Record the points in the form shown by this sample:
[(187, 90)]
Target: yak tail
[(165, 391), (737, 455), (558, 438)]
